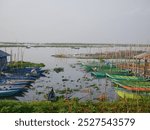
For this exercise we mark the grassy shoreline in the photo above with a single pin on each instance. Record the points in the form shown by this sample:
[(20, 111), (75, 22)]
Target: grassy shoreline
[(74, 106)]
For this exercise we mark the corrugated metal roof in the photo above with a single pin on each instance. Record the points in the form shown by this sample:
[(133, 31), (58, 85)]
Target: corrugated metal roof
[(3, 54), (145, 55)]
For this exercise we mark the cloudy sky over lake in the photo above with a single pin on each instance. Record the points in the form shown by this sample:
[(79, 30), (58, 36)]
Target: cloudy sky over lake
[(95, 21)]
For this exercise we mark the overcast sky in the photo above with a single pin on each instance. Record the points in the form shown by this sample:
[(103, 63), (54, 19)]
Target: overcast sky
[(83, 21)]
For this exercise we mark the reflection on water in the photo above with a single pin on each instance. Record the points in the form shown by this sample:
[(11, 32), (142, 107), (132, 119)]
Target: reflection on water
[(72, 82)]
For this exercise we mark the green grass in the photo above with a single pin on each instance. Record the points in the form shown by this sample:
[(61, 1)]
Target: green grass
[(74, 106)]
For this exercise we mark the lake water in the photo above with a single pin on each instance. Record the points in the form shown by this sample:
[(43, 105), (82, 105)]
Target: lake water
[(80, 86)]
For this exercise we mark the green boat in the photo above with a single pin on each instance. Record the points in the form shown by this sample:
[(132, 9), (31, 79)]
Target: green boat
[(103, 74), (124, 77), (133, 85), (99, 74), (129, 95), (97, 67)]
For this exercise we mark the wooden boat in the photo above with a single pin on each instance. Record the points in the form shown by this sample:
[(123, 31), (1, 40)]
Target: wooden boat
[(7, 93), (75, 47), (28, 46), (120, 77), (139, 86), (21, 80), (124, 94), (100, 71), (103, 74), (98, 74), (13, 82), (18, 77), (13, 87)]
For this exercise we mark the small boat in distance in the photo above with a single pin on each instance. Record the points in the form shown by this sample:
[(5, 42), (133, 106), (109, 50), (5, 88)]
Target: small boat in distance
[(28, 46), (75, 47)]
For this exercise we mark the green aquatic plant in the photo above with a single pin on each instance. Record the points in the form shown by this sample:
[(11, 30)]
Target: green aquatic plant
[(75, 105), (24, 64), (63, 91), (95, 86), (58, 69)]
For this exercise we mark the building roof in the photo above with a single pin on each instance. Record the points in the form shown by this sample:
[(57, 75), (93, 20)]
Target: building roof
[(145, 55), (3, 54)]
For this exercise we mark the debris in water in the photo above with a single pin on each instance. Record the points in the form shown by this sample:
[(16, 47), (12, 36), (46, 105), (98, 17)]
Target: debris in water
[(65, 79), (59, 69)]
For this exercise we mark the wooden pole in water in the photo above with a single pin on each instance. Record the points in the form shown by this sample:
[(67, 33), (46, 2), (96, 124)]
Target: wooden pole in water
[(18, 54), (145, 67), (139, 66), (15, 57), (11, 54)]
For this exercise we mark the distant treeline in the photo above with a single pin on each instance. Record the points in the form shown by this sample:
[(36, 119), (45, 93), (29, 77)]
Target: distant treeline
[(22, 44)]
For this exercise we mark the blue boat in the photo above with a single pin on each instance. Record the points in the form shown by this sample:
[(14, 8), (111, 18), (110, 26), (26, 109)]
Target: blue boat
[(13, 87), (7, 93), (15, 76), (14, 82)]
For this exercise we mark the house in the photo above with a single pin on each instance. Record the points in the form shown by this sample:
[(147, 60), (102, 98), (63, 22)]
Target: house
[(3, 60), (145, 64), (145, 56)]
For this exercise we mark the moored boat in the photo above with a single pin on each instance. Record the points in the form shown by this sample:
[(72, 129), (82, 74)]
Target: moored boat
[(7, 93), (124, 94), (123, 77), (13, 82), (98, 74), (141, 86)]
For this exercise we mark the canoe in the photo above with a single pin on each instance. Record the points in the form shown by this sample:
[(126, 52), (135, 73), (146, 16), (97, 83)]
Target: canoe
[(16, 77), (140, 86), (128, 95), (99, 74), (123, 93), (97, 68), (13, 87), (21, 80), (102, 74), (14, 82), (7, 93), (120, 77)]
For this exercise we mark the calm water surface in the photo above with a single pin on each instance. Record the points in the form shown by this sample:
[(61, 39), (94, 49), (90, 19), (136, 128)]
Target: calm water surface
[(82, 87)]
